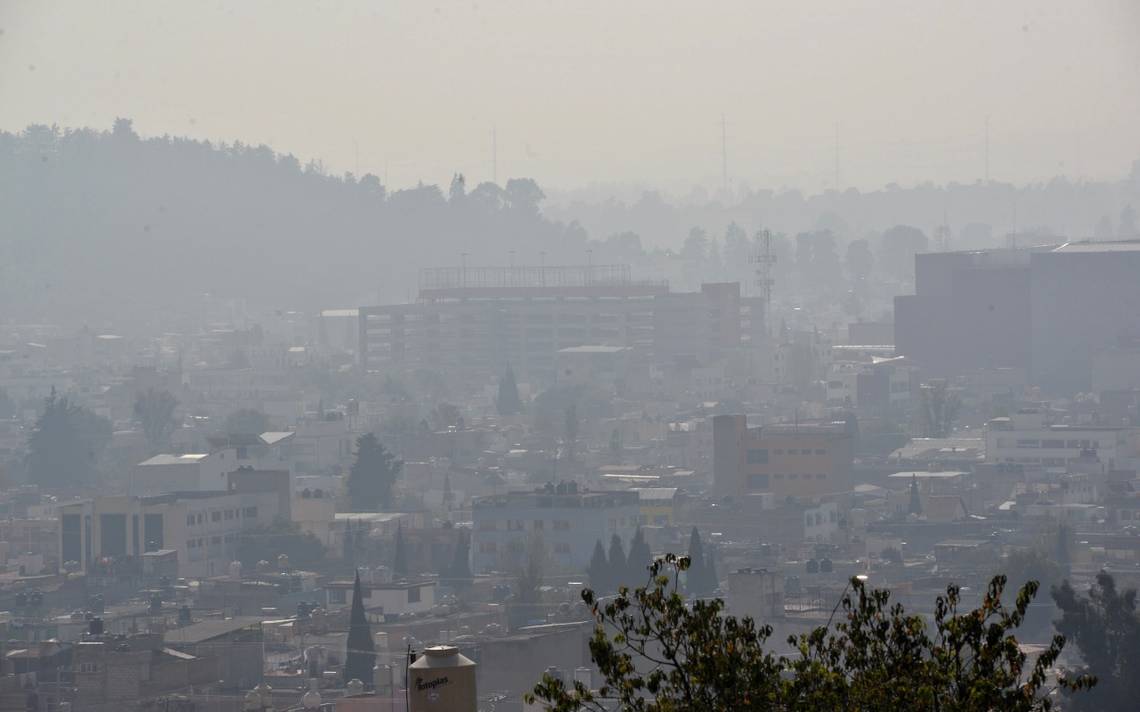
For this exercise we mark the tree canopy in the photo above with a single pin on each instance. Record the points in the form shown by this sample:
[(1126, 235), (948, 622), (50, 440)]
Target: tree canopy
[(1105, 628), (508, 402), (658, 652), (154, 409), (373, 475), (66, 444)]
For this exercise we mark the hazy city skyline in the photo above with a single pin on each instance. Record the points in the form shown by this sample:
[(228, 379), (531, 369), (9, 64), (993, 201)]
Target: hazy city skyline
[(585, 93)]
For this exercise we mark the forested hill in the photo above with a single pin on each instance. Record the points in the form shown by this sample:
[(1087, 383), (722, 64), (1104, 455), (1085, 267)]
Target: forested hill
[(110, 228)]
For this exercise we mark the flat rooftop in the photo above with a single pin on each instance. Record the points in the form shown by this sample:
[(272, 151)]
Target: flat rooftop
[(1091, 246)]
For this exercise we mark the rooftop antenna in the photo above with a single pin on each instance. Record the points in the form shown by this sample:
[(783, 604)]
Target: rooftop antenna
[(494, 155), (724, 154)]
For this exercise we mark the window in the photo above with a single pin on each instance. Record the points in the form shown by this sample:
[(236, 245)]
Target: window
[(758, 482), (488, 547), (778, 451), (215, 516), (793, 476), (189, 520), (561, 547), (414, 594), (821, 476), (561, 525), (200, 518), (779, 477), (489, 526), (250, 513), (820, 451), (88, 667), (1028, 443), (229, 514), (539, 525), (337, 595), (1058, 444), (805, 451), (758, 456)]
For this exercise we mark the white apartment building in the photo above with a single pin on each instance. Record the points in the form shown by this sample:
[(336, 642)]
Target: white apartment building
[(1027, 438)]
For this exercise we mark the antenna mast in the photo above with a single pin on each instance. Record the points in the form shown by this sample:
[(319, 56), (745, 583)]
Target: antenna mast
[(764, 260), (724, 154)]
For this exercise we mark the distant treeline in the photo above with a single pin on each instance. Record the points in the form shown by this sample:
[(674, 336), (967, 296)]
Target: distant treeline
[(109, 226)]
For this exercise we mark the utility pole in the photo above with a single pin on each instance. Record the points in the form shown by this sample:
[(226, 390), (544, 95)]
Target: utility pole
[(494, 155), (836, 177)]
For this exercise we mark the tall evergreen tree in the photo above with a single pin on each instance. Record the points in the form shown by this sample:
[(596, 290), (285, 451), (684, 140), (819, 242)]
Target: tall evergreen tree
[(619, 574), (372, 475), (400, 559), (639, 556), (349, 542), (508, 402), (360, 657), (697, 581), (154, 410), (65, 445), (915, 505), (599, 570), (460, 570)]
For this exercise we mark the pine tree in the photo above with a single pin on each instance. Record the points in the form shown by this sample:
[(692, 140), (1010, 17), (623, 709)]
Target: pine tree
[(508, 402), (639, 556), (372, 475), (697, 580), (599, 570), (349, 542), (400, 560), (915, 506), (460, 570), (617, 563), (360, 657)]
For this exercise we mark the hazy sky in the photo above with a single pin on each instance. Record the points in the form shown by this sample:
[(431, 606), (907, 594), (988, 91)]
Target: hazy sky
[(583, 92)]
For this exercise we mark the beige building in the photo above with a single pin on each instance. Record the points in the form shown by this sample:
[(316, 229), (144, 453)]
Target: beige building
[(203, 528)]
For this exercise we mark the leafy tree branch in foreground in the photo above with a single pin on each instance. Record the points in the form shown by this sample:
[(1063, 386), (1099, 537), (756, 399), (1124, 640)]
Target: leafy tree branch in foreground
[(658, 652)]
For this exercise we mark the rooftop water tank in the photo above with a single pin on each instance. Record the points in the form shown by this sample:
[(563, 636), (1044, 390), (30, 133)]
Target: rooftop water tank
[(442, 680)]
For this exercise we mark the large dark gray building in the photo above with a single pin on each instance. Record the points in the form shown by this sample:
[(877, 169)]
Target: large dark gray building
[(1047, 310)]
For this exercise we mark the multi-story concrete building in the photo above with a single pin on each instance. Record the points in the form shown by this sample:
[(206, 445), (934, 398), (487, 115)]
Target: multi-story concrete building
[(788, 460), (567, 520), (478, 320), (1048, 310), (202, 527), (484, 318), (1027, 438)]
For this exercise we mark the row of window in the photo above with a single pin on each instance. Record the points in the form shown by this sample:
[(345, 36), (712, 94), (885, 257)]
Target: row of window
[(1048, 443), (559, 525), (759, 456), (219, 514), (762, 482), (490, 547), (200, 542)]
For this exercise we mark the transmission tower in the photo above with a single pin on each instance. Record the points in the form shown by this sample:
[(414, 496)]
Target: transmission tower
[(764, 260)]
